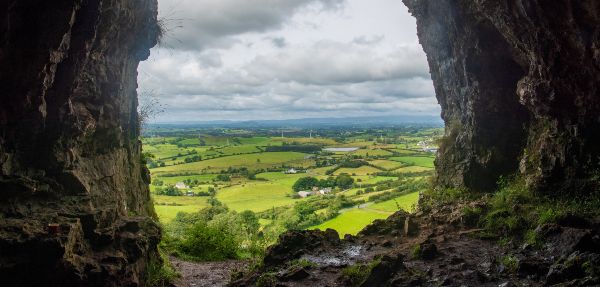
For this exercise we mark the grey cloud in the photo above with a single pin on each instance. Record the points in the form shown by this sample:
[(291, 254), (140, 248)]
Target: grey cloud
[(330, 63), (278, 42), (368, 40), (198, 24), (226, 68)]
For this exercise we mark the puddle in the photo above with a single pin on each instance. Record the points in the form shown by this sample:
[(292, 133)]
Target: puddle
[(345, 257)]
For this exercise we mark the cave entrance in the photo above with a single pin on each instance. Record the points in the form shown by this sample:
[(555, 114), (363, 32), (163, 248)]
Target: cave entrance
[(476, 73)]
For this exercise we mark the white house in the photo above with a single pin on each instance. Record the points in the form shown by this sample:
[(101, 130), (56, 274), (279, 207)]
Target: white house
[(324, 191), (291, 171), (305, 193), (181, 185)]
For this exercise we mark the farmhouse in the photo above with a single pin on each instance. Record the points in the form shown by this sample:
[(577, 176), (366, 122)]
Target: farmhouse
[(305, 193), (181, 185), (291, 171), (324, 191)]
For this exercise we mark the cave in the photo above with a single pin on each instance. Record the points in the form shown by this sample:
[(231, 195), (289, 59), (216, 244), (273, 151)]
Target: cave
[(518, 82)]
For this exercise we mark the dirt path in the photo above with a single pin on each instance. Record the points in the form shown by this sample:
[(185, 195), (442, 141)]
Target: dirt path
[(198, 274)]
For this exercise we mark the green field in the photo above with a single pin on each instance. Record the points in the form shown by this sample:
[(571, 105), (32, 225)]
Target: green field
[(386, 164), (363, 170), (412, 169), (367, 179), (166, 211), (352, 221), (423, 161), (251, 161), (405, 202), (260, 195), (371, 152), (224, 153)]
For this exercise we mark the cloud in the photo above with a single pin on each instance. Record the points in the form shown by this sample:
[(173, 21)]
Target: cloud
[(331, 62), (200, 24), (257, 59), (278, 42)]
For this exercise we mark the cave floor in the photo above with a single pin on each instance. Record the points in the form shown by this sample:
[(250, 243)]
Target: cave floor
[(199, 274)]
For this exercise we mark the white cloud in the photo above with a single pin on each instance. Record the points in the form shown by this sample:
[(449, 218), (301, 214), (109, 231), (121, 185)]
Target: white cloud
[(259, 59)]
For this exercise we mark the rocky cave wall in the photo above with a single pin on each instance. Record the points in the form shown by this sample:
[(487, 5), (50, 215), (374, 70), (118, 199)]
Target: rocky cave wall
[(519, 86), (74, 201)]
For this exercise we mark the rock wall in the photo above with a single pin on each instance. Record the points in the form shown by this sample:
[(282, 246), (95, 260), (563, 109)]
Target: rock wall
[(519, 86), (75, 208)]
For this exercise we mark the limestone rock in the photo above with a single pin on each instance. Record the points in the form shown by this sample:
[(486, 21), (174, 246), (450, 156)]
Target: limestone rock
[(75, 207)]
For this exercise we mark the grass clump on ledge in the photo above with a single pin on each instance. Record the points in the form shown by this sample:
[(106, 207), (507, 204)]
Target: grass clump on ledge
[(514, 212), (356, 274)]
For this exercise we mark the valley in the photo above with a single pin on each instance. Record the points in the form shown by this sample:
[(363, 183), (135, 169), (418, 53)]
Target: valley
[(356, 175)]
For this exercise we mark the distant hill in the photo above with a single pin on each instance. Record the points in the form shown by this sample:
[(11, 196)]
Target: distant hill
[(313, 122)]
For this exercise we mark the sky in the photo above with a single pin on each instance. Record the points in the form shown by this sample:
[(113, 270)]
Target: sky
[(285, 59)]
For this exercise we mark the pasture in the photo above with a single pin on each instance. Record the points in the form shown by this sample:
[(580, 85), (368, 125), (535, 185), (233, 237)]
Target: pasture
[(260, 195), (371, 153), (363, 170), (386, 164), (352, 221), (167, 207), (251, 161), (423, 161), (405, 202)]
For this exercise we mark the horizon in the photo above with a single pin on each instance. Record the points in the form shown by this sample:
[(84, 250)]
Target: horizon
[(399, 119)]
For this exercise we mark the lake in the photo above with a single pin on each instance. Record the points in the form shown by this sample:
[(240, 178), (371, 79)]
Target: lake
[(340, 149)]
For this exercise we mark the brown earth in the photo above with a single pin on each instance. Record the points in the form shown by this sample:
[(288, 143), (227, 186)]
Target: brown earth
[(204, 274)]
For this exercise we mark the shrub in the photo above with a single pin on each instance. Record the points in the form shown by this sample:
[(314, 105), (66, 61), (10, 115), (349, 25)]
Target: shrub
[(206, 243), (305, 183)]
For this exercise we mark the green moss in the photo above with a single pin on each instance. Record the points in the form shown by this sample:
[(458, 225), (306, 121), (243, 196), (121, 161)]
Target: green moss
[(444, 196), (453, 128), (355, 275), (416, 252), (303, 263), (510, 262), (159, 272), (266, 279), (471, 215)]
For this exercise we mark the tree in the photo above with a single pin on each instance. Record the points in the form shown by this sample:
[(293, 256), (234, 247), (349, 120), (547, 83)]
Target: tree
[(249, 221), (305, 183), (149, 107), (172, 191), (344, 181), (223, 177)]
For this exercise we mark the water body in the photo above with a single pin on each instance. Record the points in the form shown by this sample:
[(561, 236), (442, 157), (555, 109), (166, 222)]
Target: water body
[(340, 149)]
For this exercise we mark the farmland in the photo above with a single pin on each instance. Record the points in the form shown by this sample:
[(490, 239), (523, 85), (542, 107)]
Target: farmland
[(255, 171)]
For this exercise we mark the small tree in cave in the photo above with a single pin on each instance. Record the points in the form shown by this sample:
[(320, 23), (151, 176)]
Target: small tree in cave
[(148, 108)]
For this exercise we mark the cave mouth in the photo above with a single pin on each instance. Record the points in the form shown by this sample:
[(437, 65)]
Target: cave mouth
[(499, 121)]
